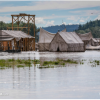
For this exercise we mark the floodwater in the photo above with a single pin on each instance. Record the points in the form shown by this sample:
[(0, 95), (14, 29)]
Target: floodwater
[(80, 81)]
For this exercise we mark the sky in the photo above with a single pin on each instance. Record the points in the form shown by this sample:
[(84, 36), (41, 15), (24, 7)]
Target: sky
[(50, 13)]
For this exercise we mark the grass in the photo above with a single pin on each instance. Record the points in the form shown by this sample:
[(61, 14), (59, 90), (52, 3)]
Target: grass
[(71, 61), (58, 62), (20, 66), (19, 63), (48, 64)]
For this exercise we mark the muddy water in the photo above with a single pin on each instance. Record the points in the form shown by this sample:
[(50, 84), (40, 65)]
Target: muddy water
[(73, 81)]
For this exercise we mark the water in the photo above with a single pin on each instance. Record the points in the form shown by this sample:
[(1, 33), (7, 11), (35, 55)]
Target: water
[(72, 81)]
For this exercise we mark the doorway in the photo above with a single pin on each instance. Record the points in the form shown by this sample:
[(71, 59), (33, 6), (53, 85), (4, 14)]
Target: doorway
[(58, 49)]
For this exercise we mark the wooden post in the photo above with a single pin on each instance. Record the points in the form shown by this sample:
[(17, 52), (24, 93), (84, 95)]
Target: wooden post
[(12, 22), (27, 45), (19, 46), (28, 24), (15, 43), (34, 44), (10, 45), (23, 45), (18, 23), (34, 34)]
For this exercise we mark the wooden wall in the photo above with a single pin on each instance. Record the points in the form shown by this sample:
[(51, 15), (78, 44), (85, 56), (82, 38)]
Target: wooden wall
[(25, 44)]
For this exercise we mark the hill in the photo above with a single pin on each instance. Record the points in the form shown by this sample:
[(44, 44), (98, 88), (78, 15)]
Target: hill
[(92, 26), (54, 29)]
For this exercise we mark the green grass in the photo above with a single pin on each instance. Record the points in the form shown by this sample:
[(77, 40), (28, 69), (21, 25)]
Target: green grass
[(27, 63), (71, 61), (19, 63), (20, 66), (58, 62)]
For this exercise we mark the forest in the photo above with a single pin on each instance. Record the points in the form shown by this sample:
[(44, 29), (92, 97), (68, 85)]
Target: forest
[(92, 26)]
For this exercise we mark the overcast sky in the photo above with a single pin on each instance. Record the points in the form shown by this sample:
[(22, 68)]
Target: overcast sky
[(49, 12)]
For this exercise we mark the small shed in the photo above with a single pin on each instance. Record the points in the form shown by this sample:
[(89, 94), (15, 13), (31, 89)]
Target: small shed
[(66, 41)]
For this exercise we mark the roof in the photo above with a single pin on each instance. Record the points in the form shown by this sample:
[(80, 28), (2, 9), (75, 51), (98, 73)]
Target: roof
[(6, 39), (86, 36), (70, 37), (45, 36), (5, 34)]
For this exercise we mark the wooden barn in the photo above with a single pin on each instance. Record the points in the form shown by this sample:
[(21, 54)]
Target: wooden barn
[(16, 40)]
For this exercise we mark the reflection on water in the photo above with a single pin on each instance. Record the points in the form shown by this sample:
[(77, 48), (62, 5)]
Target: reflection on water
[(72, 81)]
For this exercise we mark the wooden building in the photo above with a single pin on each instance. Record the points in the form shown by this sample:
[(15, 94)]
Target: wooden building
[(16, 40)]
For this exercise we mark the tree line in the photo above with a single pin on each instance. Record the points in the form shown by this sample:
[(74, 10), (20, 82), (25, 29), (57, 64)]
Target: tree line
[(92, 26)]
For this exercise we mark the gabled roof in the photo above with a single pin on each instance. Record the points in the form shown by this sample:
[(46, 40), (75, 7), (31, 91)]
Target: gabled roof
[(86, 36), (70, 37), (45, 36)]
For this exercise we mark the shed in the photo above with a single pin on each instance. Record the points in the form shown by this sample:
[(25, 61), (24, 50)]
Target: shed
[(66, 41)]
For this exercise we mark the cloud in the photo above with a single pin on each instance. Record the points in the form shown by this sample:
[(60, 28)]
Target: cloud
[(71, 18), (5, 19), (82, 21), (64, 23), (50, 23), (54, 16), (46, 5), (70, 24), (39, 20), (74, 18)]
